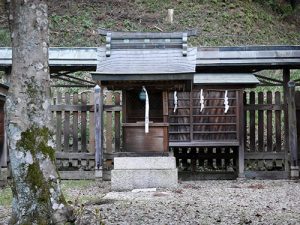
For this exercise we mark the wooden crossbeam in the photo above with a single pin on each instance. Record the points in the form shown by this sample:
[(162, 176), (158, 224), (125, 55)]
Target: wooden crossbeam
[(269, 79)]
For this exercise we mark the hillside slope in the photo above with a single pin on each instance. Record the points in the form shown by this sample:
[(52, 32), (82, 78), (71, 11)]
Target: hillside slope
[(219, 22)]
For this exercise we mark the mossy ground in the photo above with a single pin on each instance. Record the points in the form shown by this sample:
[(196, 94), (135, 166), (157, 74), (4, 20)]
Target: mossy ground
[(219, 22), (67, 186), (5, 196)]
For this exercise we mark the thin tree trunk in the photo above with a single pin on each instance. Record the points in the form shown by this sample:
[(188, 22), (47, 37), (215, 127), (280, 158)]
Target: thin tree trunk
[(37, 197)]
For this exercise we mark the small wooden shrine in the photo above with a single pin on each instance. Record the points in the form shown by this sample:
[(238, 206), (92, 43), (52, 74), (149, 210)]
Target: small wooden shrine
[(146, 66), (166, 103)]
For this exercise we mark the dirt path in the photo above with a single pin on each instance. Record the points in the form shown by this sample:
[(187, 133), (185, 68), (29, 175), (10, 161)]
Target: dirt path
[(201, 202)]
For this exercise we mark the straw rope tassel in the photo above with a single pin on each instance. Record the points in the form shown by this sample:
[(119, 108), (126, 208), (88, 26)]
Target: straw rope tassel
[(175, 101), (226, 102), (201, 100)]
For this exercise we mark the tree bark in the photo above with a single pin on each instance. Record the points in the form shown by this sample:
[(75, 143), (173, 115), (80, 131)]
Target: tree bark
[(37, 197)]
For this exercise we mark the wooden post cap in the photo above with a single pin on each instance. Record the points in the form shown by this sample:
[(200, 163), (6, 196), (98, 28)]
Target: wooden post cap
[(291, 84)]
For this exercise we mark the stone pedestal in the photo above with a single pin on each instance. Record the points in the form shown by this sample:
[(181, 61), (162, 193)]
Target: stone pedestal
[(143, 172)]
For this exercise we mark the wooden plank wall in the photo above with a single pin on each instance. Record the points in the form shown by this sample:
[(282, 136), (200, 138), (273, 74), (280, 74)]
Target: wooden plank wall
[(264, 135), (73, 117), (190, 126)]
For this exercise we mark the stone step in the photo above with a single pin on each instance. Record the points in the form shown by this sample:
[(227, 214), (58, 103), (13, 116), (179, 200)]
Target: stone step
[(144, 163), (122, 180)]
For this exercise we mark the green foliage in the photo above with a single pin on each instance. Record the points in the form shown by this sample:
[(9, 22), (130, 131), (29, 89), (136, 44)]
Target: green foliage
[(281, 7)]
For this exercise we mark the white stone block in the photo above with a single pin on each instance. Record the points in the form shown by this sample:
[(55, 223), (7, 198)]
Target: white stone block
[(144, 190), (122, 180), (144, 163)]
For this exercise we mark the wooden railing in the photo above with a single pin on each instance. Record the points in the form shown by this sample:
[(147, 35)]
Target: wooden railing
[(73, 118), (264, 131)]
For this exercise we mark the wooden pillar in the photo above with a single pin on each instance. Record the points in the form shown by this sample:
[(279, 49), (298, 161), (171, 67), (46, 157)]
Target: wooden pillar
[(293, 140), (241, 156), (3, 155), (98, 112), (286, 79), (165, 96), (3, 163), (117, 123), (4, 150)]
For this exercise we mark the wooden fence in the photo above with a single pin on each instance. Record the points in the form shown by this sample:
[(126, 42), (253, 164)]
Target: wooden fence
[(265, 142), (73, 117), (297, 101), (189, 125)]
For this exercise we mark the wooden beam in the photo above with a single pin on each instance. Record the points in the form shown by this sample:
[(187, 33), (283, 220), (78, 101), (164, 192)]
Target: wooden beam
[(286, 79), (79, 79), (241, 155), (90, 108), (92, 126), (4, 155), (271, 175), (134, 154), (143, 35), (142, 77), (118, 122), (293, 142), (263, 107), (98, 128), (208, 175), (264, 155), (270, 79), (59, 124), (74, 155), (204, 144)]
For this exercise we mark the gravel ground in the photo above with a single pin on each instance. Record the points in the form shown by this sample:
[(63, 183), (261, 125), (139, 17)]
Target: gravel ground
[(197, 202)]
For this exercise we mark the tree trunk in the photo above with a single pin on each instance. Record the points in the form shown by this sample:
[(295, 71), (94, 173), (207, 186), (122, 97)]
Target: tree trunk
[(37, 197)]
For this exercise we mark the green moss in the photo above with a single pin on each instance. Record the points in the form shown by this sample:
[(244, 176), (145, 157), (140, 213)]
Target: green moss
[(36, 140), (37, 181)]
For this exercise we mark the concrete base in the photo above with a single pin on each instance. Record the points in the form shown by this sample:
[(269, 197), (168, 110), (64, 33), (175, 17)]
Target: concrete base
[(294, 172), (144, 172), (98, 174)]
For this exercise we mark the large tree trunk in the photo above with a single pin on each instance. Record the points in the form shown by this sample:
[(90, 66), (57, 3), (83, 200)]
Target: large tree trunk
[(37, 197)]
